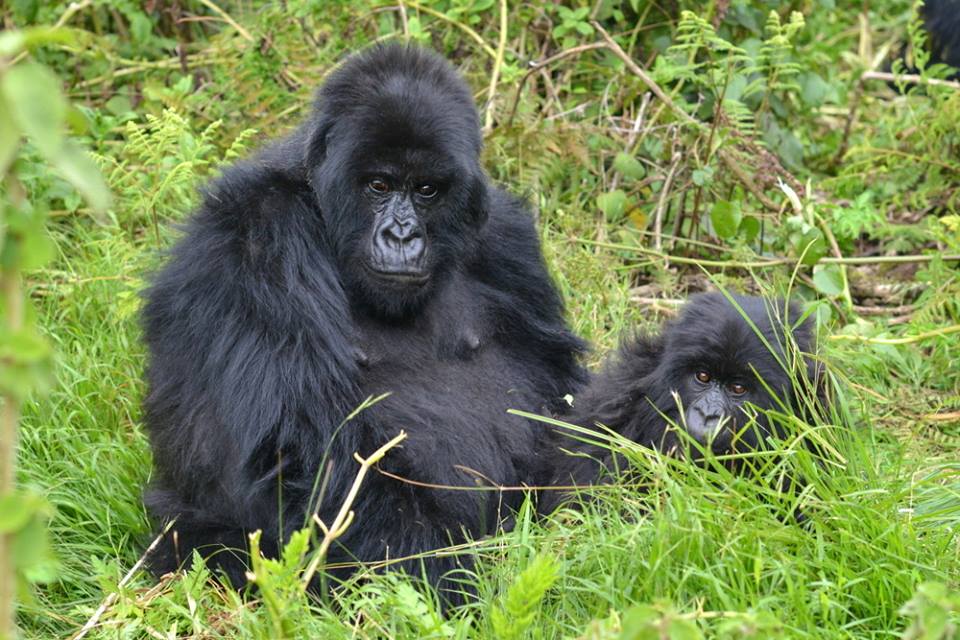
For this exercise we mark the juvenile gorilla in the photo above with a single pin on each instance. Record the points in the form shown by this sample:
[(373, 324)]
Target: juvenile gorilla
[(715, 363), (364, 254), (942, 20)]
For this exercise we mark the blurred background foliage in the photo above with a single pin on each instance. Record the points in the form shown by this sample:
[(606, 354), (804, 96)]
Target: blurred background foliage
[(667, 147)]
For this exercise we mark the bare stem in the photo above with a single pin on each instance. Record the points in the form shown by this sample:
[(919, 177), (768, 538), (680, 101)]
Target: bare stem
[(908, 79), (662, 201), (476, 37), (769, 262), (110, 599), (935, 333), (497, 63), (345, 516), (9, 418), (226, 18)]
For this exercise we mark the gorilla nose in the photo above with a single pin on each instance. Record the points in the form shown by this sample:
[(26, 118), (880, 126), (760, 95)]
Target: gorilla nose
[(401, 232), (703, 425), (401, 244)]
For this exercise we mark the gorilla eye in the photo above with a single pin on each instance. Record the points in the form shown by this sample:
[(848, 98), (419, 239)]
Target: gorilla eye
[(378, 185), (737, 389), (703, 376), (426, 190)]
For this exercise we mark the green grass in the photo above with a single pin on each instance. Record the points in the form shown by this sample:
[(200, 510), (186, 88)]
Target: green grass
[(701, 552)]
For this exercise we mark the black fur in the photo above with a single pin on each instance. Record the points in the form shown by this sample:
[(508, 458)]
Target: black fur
[(634, 394), (265, 330), (942, 20)]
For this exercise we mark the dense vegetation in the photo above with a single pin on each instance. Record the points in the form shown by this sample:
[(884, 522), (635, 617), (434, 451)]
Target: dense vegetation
[(754, 145)]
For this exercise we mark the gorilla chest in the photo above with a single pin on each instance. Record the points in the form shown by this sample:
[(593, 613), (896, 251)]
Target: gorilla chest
[(451, 394)]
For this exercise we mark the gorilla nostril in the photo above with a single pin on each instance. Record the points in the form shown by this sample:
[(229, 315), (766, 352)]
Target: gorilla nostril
[(401, 233)]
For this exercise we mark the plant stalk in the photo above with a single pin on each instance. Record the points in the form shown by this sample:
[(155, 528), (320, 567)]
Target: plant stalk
[(9, 418)]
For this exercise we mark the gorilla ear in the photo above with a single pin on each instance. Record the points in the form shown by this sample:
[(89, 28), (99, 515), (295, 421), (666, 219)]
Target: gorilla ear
[(316, 147), (479, 199)]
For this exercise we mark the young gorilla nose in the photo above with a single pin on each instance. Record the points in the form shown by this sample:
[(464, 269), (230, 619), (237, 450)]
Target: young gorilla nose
[(704, 417), (710, 414)]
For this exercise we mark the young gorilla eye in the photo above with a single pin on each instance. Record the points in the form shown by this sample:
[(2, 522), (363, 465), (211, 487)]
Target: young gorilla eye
[(378, 185), (737, 389), (426, 190), (703, 376)]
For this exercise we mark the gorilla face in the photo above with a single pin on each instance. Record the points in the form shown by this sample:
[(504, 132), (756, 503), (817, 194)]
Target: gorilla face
[(723, 370), (715, 405), (713, 372), (716, 398), (396, 171)]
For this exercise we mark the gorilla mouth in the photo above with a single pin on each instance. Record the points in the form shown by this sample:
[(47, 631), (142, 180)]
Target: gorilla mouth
[(398, 276)]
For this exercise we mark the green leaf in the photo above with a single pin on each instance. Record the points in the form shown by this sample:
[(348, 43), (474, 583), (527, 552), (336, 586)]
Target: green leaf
[(613, 204), (23, 346), (814, 89), (26, 358), (140, 27), (584, 28), (828, 279), (32, 553), (749, 228), (629, 166), (725, 218), (37, 105), (13, 42), (683, 629), (16, 509), (119, 105), (35, 249), (812, 246), (520, 604), (656, 622), (80, 170), (702, 176), (9, 136), (933, 609)]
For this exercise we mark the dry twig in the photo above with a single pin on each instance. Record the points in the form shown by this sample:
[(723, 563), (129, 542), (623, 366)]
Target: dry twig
[(908, 78), (110, 599), (345, 516)]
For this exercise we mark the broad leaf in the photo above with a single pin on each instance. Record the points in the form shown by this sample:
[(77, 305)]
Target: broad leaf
[(37, 105), (725, 218), (828, 279), (80, 170), (613, 204), (9, 136), (749, 228), (629, 166)]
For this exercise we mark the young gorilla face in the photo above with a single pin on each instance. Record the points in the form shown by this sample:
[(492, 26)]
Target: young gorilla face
[(395, 168), (712, 372), (721, 367)]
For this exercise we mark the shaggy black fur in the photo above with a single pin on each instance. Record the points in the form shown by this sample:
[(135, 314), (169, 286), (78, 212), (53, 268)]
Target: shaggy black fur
[(366, 253), (713, 360), (942, 19)]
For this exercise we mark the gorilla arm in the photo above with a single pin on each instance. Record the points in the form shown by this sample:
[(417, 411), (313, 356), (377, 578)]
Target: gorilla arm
[(251, 365), (616, 399)]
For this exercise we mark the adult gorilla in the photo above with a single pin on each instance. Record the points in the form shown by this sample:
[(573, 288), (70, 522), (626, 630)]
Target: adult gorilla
[(364, 254), (715, 361)]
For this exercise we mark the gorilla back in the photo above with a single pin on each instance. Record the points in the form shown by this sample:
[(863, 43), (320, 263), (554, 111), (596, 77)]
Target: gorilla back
[(364, 254)]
